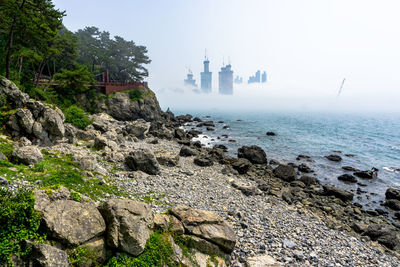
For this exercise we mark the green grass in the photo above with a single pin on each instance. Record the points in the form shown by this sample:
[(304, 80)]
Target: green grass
[(135, 95), (158, 252), (6, 147), (54, 171), (82, 256)]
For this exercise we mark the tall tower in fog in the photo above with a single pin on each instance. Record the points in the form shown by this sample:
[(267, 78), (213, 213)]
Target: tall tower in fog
[(226, 80), (206, 76)]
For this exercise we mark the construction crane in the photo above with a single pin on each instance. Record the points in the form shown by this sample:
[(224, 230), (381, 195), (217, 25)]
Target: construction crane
[(341, 87)]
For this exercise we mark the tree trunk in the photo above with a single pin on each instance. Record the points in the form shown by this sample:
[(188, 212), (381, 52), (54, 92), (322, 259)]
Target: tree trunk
[(9, 46), (11, 41)]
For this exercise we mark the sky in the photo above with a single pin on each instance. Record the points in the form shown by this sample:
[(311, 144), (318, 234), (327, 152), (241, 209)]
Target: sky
[(307, 47)]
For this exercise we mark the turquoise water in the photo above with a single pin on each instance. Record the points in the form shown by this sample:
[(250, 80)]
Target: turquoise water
[(373, 139)]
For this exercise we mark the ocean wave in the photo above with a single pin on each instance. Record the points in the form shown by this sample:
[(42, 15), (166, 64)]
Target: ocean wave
[(395, 148), (392, 169)]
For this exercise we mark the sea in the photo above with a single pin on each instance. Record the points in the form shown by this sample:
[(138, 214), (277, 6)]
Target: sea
[(362, 140)]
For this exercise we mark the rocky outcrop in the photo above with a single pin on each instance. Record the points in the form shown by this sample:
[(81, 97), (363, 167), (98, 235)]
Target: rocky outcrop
[(384, 234), (121, 107), (285, 172), (128, 224), (206, 225), (168, 223), (166, 158), (203, 161), (187, 151), (347, 178), (336, 158), (27, 155), (42, 123), (241, 165), (392, 193), (254, 154), (73, 223), (370, 174), (344, 195), (143, 160), (46, 255)]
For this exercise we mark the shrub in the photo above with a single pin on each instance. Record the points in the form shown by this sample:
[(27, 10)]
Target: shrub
[(135, 95), (82, 256), (158, 252), (18, 221), (77, 117)]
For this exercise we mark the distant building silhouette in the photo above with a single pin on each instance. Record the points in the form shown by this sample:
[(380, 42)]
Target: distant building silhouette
[(257, 78), (226, 80), (189, 81), (238, 80), (264, 77), (206, 77)]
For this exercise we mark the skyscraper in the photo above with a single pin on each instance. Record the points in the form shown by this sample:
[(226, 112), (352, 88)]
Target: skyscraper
[(190, 81), (226, 80), (206, 77), (264, 77)]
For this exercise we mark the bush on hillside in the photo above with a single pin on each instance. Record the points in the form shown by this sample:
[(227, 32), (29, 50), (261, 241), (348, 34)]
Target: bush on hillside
[(18, 221), (77, 117), (135, 95)]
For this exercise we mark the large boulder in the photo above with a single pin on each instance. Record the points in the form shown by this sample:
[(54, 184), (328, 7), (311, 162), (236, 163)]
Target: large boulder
[(187, 151), (335, 158), (138, 128), (206, 225), (52, 121), (241, 165), (73, 223), (344, 195), (309, 180), (392, 193), (128, 224), (369, 174), (285, 172), (203, 161), (143, 160), (15, 98), (46, 255), (394, 204), (255, 154), (384, 234), (166, 158), (25, 119), (347, 178), (27, 155)]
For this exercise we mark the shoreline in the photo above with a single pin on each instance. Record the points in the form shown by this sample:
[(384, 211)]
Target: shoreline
[(370, 192)]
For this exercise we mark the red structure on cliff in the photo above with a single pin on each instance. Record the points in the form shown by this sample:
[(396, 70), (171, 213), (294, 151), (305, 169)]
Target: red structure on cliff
[(107, 87)]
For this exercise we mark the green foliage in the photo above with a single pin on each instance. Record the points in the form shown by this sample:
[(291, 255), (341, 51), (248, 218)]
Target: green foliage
[(77, 117), (72, 82), (76, 197), (3, 100), (124, 59), (135, 95), (187, 244), (158, 252), (18, 221), (28, 29), (6, 147), (82, 256)]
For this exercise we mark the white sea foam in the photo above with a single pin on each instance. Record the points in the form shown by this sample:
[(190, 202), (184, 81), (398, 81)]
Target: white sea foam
[(392, 169)]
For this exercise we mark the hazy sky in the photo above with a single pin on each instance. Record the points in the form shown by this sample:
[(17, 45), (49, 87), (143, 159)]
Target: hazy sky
[(306, 46)]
